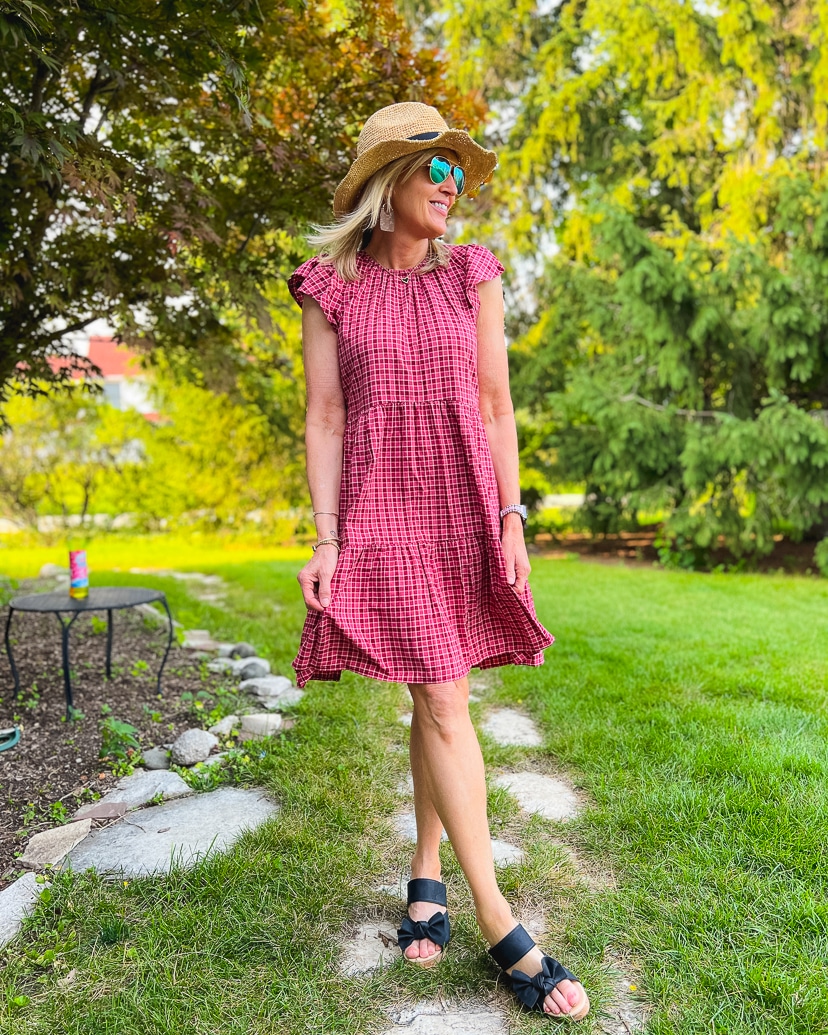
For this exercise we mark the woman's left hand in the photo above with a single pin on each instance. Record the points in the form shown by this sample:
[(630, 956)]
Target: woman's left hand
[(514, 552)]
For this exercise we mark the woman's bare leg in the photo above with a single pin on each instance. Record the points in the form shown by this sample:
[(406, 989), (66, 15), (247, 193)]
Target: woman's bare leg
[(448, 763)]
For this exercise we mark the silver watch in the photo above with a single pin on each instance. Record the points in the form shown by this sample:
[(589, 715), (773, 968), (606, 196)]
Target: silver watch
[(515, 508)]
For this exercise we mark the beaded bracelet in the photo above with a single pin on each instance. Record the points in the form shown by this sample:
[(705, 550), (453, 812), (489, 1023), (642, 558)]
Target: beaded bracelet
[(327, 542)]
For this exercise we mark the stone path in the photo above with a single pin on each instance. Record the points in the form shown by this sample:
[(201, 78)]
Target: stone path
[(370, 946), (177, 833), (541, 795), (16, 903), (438, 1018), (512, 728)]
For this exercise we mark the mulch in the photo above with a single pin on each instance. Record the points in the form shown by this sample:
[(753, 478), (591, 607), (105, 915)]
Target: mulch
[(639, 548), (56, 767)]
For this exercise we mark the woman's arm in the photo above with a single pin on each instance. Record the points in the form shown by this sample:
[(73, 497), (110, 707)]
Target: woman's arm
[(324, 429), (499, 422)]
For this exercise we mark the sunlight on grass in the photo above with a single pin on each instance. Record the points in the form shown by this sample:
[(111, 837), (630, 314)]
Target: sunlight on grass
[(690, 711)]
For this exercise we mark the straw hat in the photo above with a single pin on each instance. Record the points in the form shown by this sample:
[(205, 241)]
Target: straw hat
[(402, 129)]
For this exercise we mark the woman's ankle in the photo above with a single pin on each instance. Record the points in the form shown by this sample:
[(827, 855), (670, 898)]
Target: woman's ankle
[(495, 919), (425, 866)]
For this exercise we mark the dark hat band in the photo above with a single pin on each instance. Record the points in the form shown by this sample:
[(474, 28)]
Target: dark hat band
[(424, 136)]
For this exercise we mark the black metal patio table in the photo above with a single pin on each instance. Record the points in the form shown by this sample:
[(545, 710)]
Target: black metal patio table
[(101, 598)]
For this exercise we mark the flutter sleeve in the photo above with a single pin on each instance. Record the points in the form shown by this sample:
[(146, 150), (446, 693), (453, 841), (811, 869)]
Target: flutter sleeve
[(322, 283), (480, 265)]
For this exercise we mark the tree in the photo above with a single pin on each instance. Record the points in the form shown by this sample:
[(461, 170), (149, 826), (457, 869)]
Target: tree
[(678, 356), (158, 160)]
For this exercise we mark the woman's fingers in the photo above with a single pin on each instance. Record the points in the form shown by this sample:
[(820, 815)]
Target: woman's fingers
[(315, 580)]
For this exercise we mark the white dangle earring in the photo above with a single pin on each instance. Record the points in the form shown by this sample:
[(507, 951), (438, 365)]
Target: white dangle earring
[(386, 219)]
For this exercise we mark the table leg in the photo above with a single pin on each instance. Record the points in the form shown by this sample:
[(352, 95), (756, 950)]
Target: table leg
[(67, 679), (15, 675), (109, 645), (169, 644)]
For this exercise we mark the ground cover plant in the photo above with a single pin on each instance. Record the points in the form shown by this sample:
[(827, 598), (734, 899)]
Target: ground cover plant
[(689, 710)]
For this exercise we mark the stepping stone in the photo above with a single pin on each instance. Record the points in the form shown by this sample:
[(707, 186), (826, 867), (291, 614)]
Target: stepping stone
[(505, 854), (16, 902), (405, 823), (177, 833), (398, 890), (372, 945), (102, 810), (624, 1013), (438, 1018), (141, 787), (541, 795), (405, 719), (513, 729), (50, 846)]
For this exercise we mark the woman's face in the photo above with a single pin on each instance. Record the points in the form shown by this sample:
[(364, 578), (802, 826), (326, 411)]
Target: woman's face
[(421, 207)]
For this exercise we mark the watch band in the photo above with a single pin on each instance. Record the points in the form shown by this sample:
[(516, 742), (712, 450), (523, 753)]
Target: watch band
[(515, 508)]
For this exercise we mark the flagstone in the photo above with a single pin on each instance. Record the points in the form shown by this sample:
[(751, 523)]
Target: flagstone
[(511, 728), (541, 795), (16, 902), (372, 945)]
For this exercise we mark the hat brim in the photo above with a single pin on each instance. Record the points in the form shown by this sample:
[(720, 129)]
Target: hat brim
[(478, 163)]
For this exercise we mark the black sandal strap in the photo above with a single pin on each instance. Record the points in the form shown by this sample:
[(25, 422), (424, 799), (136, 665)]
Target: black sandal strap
[(533, 990), (512, 948), (437, 929), (421, 889)]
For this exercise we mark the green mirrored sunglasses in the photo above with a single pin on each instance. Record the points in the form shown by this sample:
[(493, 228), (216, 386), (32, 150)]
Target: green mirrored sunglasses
[(439, 169)]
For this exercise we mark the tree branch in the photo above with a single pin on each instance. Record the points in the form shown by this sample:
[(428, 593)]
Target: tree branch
[(679, 412)]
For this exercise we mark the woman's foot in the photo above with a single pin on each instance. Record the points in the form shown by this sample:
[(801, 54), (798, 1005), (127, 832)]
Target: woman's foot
[(567, 998), (426, 929)]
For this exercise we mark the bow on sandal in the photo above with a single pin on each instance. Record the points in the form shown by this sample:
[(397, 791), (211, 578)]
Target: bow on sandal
[(532, 990), (437, 928)]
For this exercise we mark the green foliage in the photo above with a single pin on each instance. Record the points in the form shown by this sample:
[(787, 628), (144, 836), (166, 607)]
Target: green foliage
[(209, 461), (159, 159), (675, 154), (119, 741)]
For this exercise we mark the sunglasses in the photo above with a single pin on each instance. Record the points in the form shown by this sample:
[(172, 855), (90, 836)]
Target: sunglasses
[(439, 170)]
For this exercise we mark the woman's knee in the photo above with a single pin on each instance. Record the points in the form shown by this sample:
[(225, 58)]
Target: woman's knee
[(442, 706)]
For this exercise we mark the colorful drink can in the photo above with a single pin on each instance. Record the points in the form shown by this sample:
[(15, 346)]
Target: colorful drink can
[(78, 575)]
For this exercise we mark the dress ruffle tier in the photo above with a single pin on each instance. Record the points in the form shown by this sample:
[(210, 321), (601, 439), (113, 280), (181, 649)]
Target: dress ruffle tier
[(419, 594)]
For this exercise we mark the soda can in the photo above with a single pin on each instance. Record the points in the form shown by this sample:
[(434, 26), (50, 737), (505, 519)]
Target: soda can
[(78, 575)]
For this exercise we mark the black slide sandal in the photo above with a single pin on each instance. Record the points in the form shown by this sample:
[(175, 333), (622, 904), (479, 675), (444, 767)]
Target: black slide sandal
[(532, 991), (437, 928)]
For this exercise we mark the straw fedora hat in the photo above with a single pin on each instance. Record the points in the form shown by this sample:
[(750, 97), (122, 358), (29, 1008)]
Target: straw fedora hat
[(402, 129)]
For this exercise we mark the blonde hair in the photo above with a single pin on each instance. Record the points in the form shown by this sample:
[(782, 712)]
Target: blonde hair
[(340, 242)]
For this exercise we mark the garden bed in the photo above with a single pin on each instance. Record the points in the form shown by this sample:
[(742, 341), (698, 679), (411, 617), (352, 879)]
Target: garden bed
[(57, 765)]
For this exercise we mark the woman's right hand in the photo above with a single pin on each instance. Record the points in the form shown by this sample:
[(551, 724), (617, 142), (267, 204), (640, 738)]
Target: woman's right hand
[(315, 577)]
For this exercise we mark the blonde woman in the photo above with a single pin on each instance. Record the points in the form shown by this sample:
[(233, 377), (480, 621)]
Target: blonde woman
[(420, 568)]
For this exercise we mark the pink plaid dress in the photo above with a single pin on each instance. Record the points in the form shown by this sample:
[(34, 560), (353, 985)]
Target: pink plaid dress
[(419, 594)]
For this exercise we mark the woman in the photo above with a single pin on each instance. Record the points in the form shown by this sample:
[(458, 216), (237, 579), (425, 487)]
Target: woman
[(420, 568)]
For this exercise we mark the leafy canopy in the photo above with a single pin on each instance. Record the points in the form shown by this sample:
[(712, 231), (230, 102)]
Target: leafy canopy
[(674, 153)]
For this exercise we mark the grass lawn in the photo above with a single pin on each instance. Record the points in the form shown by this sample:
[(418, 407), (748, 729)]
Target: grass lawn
[(690, 710)]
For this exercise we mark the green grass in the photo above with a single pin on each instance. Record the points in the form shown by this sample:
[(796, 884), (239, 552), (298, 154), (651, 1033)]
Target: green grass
[(690, 710)]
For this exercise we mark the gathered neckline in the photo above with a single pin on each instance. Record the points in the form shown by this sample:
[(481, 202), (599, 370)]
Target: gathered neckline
[(373, 262)]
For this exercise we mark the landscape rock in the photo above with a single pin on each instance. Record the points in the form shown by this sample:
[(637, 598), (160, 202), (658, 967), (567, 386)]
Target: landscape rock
[(266, 686), (220, 665), (49, 571), (224, 727), (252, 668), (102, 810), (224, 649), (542, 795), (512, 728), (261, 725), (212, 760), (285, 700), (194, 745), (50, 846), (441, 1018), (372, 945), (156, 758), (16, 902), (176, 833), (140, 787), (243, 650)]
